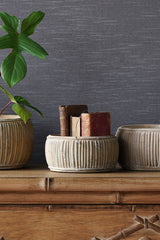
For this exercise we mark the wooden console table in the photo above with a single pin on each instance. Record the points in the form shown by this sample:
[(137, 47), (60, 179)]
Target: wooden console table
[(36, 204)]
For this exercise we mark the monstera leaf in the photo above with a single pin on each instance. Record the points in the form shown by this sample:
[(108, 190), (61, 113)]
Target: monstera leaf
[(14, 67)]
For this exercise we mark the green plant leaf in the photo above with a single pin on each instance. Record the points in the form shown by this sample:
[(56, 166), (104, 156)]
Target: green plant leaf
[(28, 45), (8, 94), (8, 41), (21, 111), (29, 24), (13, 68), (11, 23), (23, 101)]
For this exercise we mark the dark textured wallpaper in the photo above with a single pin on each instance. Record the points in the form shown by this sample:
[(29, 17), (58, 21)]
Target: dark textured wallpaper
[(104, 53)]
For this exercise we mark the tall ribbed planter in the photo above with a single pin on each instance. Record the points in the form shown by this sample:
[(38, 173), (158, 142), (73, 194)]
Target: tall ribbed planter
[(83, 154), (16, 141), (139, 147)]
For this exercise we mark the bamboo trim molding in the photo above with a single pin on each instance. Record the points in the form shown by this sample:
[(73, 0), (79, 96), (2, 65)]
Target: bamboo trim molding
[(105, 184), (79, 184), (23, 185), (109, 188)]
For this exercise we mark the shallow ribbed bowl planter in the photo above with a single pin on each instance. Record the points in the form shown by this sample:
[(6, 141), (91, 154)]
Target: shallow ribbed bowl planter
[(82, 154), (139, 147), (16, 141)]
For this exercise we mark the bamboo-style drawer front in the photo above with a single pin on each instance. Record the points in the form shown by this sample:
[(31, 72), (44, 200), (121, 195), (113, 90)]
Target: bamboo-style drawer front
[(36, 204), (80, 222)]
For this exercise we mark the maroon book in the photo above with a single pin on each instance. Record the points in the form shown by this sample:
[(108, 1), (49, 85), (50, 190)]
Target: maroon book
[(95, 124), (65, 112)]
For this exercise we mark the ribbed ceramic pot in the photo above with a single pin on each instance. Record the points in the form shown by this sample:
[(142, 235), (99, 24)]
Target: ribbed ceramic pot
[(16, 141), (139, 147), (82, 154)]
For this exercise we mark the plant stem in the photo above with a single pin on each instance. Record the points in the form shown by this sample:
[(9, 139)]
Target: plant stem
[(5, 107)]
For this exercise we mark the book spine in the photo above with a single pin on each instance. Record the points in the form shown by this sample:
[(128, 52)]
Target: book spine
[(95, 124), (75, 129), (64, 131), (109, 123), (85, 125)]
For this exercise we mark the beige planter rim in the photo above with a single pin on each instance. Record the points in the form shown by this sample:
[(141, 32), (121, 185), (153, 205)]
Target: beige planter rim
[(81, 138), (141, 127), (9, 117)]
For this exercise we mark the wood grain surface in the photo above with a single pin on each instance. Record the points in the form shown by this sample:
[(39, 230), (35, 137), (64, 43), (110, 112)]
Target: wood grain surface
[(73, 222)]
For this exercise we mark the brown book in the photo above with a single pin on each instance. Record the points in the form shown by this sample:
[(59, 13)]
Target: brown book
[(65, 112), (75, 126), (95, 124)]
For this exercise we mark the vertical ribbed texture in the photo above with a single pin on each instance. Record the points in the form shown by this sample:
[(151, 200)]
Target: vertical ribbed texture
[(81, 154), (139, 148), (16, 143)]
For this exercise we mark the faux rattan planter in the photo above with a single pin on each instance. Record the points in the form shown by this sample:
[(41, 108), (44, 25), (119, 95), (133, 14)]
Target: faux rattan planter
[(83, 154), (16, 141), (139, 147)]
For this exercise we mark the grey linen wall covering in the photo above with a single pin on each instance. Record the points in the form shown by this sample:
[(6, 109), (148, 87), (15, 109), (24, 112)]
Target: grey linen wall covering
[(103, 53)]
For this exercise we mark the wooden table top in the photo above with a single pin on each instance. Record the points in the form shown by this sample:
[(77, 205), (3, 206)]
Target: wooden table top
[(43, 171)]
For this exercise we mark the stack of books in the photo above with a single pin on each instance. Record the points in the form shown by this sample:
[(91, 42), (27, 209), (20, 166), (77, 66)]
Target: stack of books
[(76, 121)]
